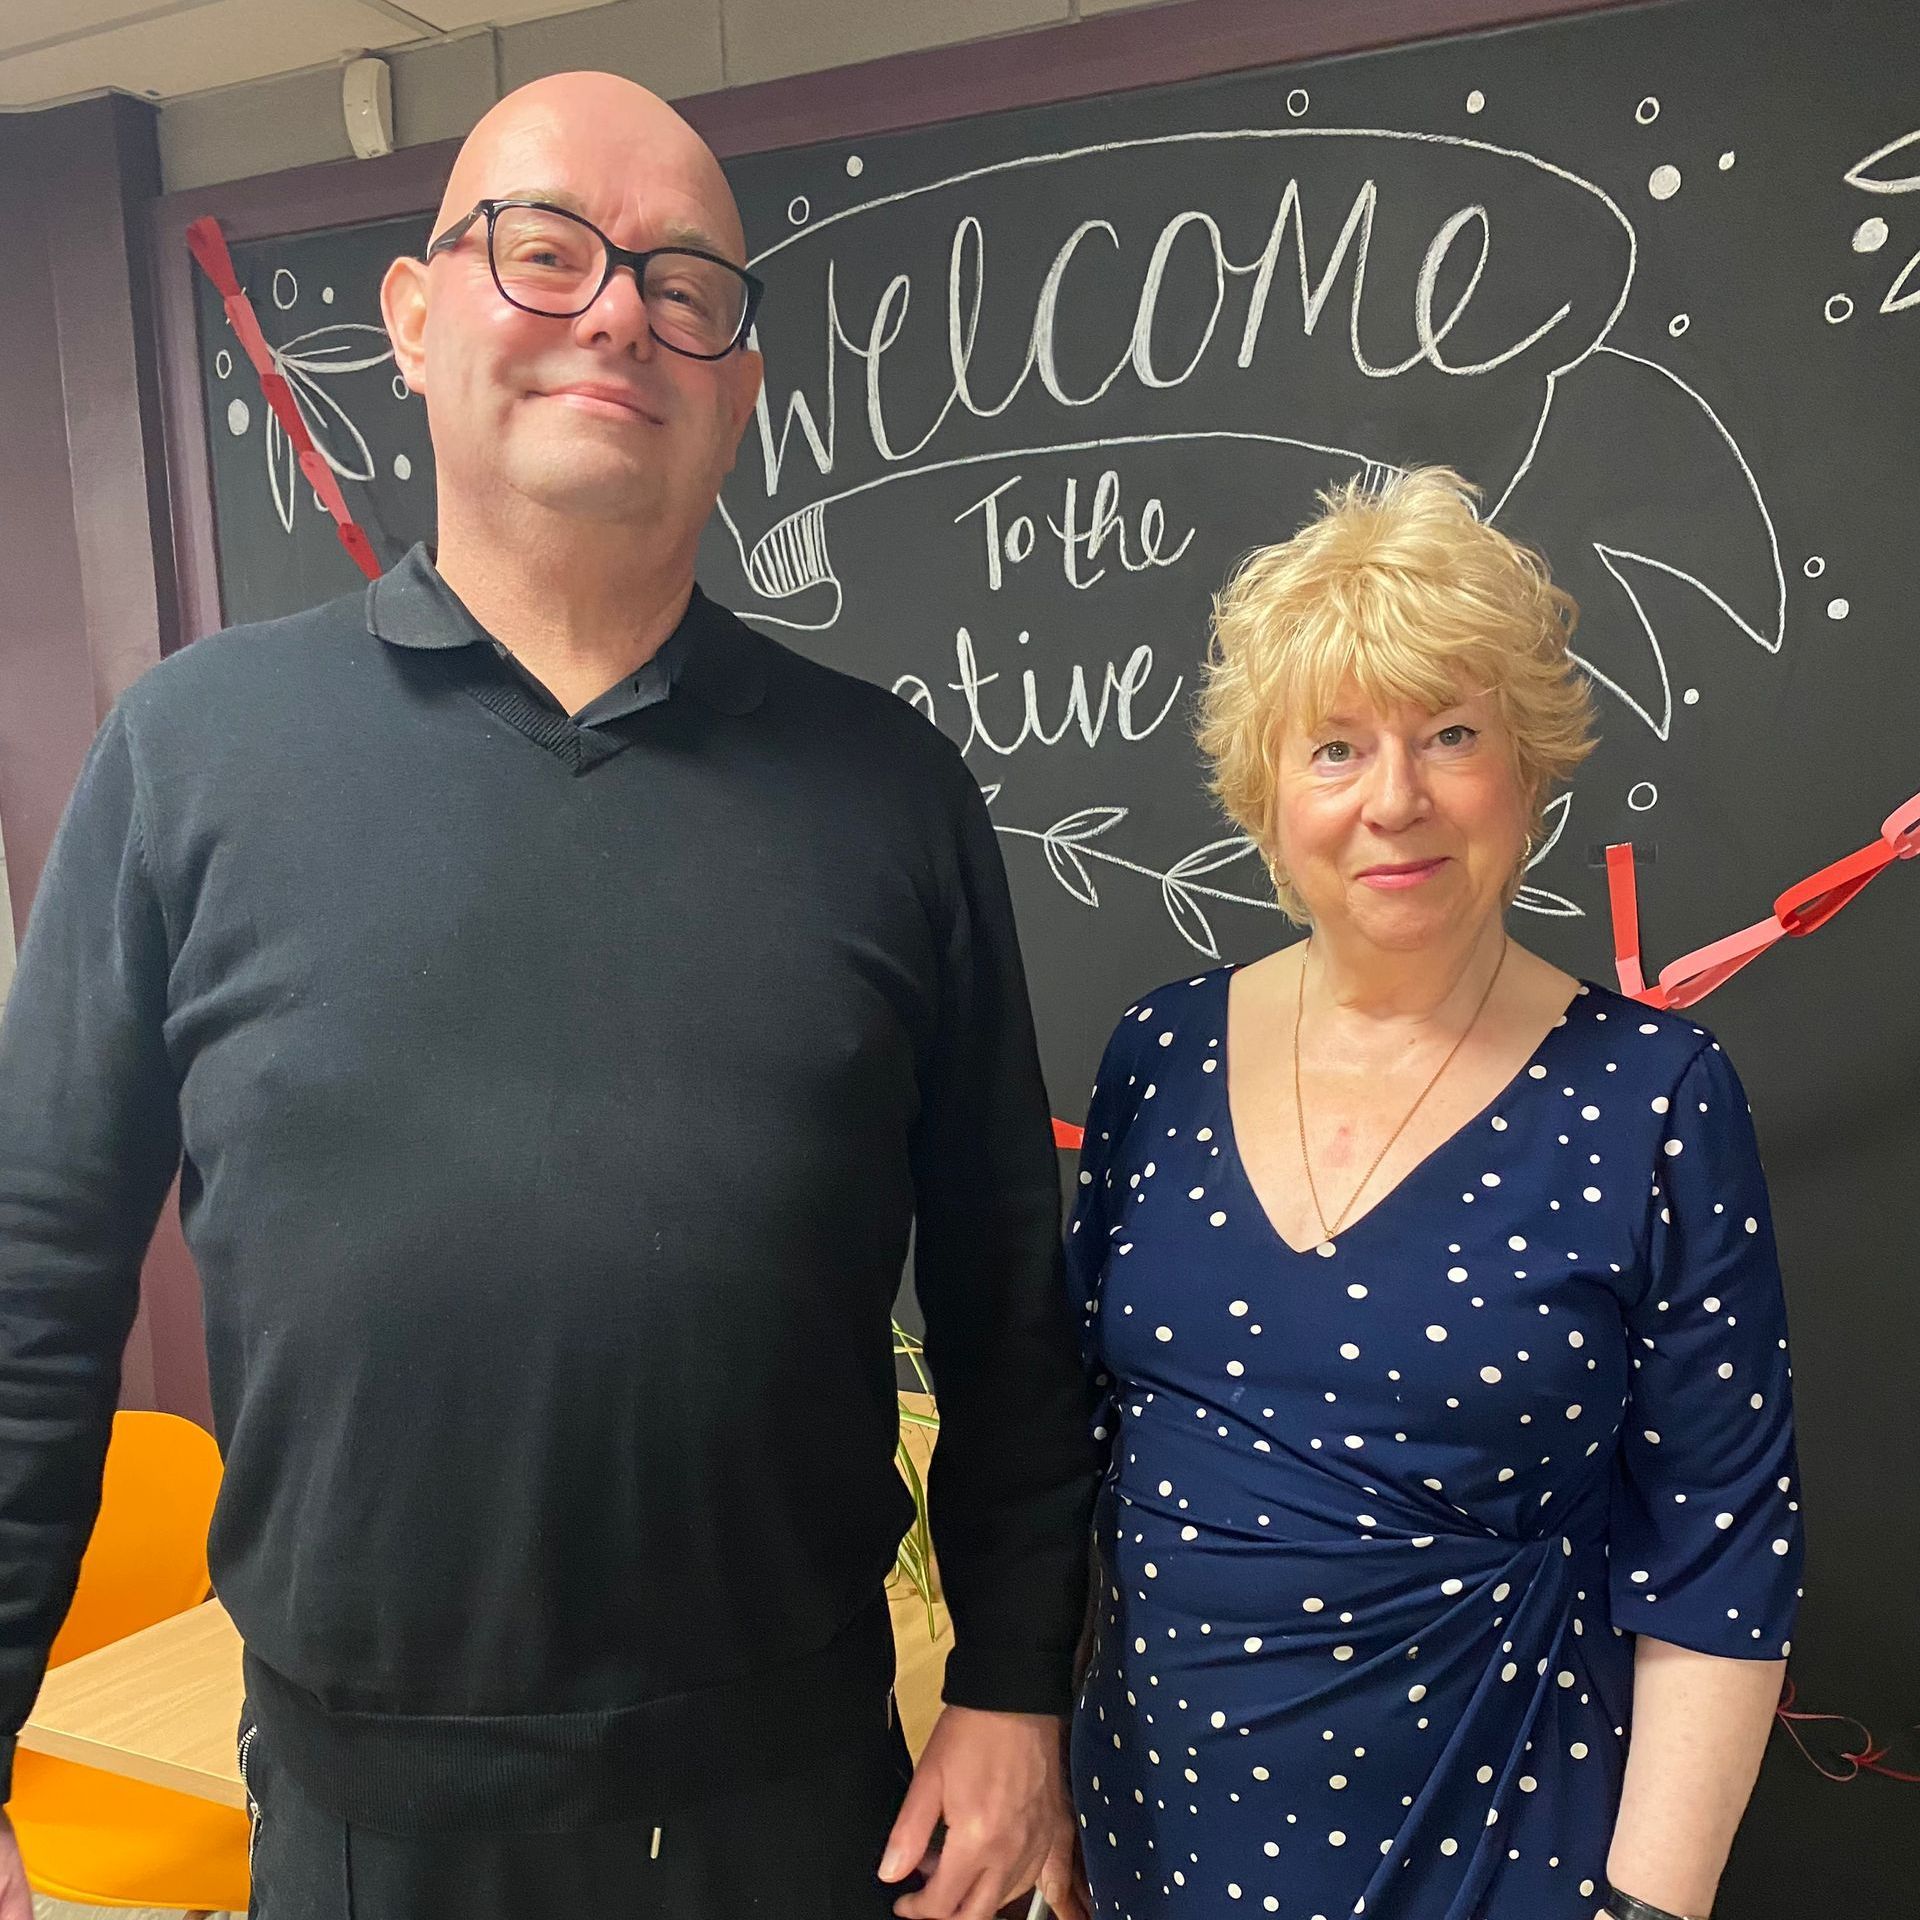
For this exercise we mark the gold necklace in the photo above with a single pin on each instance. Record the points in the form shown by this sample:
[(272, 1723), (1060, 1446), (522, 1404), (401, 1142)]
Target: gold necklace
[(1300, 1111)]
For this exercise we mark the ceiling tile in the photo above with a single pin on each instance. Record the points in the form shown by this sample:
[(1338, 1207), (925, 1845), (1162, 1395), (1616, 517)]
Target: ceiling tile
[(217, 45)]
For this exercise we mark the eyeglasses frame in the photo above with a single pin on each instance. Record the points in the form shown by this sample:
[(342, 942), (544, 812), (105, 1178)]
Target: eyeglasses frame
[(616, 258)]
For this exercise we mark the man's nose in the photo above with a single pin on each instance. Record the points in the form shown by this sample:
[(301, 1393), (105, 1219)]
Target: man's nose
[(618, 318)]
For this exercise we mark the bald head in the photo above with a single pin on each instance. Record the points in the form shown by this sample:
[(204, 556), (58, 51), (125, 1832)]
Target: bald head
[(609, 149)]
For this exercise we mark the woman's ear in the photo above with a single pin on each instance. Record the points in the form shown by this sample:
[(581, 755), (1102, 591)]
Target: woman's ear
[(403, 306)]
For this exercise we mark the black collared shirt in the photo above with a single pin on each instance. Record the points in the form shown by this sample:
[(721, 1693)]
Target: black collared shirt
[(412, 606)]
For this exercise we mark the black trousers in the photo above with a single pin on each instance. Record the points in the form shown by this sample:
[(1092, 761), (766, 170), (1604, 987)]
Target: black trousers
[(800, 1848)]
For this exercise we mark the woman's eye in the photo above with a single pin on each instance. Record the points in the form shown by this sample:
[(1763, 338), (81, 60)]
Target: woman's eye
[(1334, 752), (1455, 736)]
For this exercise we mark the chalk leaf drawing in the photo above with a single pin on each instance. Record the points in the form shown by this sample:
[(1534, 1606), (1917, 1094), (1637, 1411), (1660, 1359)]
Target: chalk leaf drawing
[(1860, 174), (305, 361)]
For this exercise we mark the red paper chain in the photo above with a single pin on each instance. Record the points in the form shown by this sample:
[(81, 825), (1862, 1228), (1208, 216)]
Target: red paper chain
[(1809, 904), (209, 248)]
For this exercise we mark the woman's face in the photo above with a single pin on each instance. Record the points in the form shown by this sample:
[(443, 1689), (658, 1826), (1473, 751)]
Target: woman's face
[(1403, 828)]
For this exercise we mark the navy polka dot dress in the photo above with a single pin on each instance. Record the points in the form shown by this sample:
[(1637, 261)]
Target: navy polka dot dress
[(1382, 1519)]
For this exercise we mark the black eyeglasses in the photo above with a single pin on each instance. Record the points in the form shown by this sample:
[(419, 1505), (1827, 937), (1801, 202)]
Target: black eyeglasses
[(548, 261)]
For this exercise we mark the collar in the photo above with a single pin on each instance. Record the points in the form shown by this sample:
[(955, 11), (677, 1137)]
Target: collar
[(709, 655)]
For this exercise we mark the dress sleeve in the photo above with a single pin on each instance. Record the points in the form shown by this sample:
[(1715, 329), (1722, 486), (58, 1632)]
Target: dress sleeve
[(1094, 1211), (1706, 1536)]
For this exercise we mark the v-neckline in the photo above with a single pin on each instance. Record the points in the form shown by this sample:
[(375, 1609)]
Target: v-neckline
[(1413, 1173)]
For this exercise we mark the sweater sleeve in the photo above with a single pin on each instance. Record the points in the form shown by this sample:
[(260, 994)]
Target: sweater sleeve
[(89, 1138), (1013, 1474)]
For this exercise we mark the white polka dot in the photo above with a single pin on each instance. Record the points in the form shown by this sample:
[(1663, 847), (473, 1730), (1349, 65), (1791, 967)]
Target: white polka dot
[(1354, 1440), (1235, 1368), (1163, 1333), (1252, 1643), (1336, 1838), (1662, 1103), (1312, 1604), (1416, 1694), (1779, 1546), (1348, 1351), (1453, 1586), (1436, 1333), (1456, 1273), (1491, 1375), (1590, 1193), (1237, 1308), (1673, 1147), (1216, 1219), (1343, 1653), (1489, 1179), (1449, 1846), (1723, 1521), (1356, 1291)]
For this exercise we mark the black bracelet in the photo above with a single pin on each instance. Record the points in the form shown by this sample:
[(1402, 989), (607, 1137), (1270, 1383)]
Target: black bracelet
[(1623, 1906)]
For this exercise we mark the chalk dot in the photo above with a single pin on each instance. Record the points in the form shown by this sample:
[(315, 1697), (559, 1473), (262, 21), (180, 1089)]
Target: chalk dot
[(1298, 101), (223, 364), (402, 467), (1678, 325), (1664, 182), (798, 209), (400, 387), (1815, 567), (326, 294), (1726, 163), (1648, 111), (1476, 101), (284, 295), (1838, 609), (1839, 308), (855, 166), (1643, 795), (238, 418), (1870, 235), (1691, 697)]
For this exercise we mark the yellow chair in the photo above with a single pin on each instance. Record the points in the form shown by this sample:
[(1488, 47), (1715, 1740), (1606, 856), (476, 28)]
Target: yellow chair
[(99, 1839)]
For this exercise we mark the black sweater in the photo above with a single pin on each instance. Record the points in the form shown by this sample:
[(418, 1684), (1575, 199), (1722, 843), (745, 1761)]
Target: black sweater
[(553, 1105)]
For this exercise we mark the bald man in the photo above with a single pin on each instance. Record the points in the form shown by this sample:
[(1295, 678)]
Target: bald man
[(561, 1005)]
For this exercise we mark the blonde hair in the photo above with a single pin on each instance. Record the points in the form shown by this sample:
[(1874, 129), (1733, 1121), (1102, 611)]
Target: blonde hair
[(1403, 593)]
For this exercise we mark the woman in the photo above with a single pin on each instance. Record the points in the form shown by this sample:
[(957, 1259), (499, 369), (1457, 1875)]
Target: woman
[(1434, 1295)]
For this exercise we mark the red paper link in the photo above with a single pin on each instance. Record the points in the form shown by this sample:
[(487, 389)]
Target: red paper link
[(1808, 904), (1865, 1754), (209, 247), (1066, 1136)]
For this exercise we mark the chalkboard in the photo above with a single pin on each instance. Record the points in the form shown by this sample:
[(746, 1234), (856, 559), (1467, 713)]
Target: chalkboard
[(1651, 278)]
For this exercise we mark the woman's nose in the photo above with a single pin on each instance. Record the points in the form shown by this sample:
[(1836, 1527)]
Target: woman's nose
[(1398, 794)]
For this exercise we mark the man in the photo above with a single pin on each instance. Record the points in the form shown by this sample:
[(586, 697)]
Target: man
[(561, 1003)]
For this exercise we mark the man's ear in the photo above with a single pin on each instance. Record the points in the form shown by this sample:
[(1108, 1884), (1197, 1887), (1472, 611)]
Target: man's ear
[(403, 306)]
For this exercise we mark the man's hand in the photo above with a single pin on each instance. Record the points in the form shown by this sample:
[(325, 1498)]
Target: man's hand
[(16, 1897), (998, 1780)]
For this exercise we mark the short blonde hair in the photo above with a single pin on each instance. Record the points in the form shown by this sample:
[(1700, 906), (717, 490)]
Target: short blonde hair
[(1402, 592)]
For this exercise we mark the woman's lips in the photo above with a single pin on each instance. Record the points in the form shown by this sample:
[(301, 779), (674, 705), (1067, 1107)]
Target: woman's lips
[(1396, 879)]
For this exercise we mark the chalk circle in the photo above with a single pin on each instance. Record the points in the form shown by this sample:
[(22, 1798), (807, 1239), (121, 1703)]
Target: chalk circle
[(1678, 325), (1870, 235), (1839, 308), (799, 210), (1647, 789), (223, 364), (1298, 101), (402, 467), (292, 288), (1815, 566), (326, 294), (400, 387), (238, 418), (1664, 182), (855, 166), (1648, 111), (1838, 609), (1476, 101)]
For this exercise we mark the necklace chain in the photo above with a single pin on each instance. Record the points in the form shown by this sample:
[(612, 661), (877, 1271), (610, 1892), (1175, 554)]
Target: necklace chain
[(1299, 1106)]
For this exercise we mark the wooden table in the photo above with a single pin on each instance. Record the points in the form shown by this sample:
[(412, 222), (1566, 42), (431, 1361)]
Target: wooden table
[(163, 1706)]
